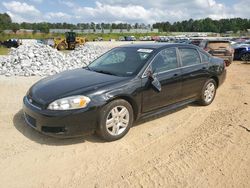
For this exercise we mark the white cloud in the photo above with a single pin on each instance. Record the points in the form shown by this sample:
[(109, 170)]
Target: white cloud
[(21, 8), (68, 3), (37, 1), (241, 8), (57, 15), (129, 13), (22, 12), (143, 11), (16, 18), (149, 11)]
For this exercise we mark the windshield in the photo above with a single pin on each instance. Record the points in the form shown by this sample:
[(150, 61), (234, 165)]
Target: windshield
[(124, 61)]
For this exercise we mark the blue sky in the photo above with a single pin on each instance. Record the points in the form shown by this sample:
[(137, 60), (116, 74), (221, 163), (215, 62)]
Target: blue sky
[(132, 11)]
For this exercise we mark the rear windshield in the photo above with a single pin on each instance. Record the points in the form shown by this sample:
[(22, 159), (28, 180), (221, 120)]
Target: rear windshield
[(218, 44)]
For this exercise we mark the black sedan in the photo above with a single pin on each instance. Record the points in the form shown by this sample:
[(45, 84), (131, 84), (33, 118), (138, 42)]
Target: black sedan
[(123, 85)]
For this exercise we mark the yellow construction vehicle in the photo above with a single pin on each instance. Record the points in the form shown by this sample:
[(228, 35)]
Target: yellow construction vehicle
[(69, 42)]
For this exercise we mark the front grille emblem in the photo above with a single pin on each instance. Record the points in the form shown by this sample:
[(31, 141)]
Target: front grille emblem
[(30, 100)]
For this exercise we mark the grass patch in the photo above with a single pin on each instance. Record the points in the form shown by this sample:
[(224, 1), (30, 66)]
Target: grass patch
[(4, 51)]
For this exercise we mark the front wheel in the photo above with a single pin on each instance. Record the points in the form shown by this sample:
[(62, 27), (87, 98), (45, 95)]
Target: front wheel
[(116, 118), (208, 92), (61, 46)]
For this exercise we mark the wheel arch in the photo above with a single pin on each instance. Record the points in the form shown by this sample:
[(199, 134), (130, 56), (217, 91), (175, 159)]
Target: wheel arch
[(131, 101), (216, 79)]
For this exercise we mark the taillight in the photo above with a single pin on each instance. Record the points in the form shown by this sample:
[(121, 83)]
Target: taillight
[(206, 49), (226, 63)]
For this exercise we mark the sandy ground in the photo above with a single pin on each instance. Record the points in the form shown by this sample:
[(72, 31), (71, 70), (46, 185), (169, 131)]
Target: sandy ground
[(191, 147)]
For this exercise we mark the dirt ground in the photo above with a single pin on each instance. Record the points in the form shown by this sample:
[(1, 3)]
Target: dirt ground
[(191, 147)]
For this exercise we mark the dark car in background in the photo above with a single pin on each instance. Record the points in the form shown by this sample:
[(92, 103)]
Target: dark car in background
[(242, 53), (125, 84), (219, 48), (196, 42), (11, 43), (130, 38)]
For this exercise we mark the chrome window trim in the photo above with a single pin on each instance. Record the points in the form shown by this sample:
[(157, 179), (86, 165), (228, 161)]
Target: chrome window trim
[(178, 61), (144, 73), (178, 68)]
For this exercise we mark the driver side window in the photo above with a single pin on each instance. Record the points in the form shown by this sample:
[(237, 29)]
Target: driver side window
[(165, 60)]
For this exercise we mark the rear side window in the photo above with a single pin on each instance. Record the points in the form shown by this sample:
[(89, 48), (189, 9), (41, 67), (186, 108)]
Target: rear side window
[(165, 60), (204, 57), (203, 44), (189, 56)]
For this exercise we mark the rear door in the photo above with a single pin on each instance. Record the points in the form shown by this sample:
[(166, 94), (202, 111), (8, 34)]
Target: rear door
[(166, 68), (194, 72)]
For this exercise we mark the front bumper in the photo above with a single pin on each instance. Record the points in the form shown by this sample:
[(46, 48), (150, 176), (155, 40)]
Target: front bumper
[(71, 123)]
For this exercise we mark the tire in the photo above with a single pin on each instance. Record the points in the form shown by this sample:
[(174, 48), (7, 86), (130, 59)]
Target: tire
[(61, 46), (245, 57), (208, 92), (115, 120)]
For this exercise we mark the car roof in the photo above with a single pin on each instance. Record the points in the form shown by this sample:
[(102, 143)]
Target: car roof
[(155, 45)]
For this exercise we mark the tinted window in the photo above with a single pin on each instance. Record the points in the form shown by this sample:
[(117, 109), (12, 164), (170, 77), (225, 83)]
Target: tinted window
[(204, 57), (165, 60), (203, 44), (189, 56), (121, 61), (218, 44)]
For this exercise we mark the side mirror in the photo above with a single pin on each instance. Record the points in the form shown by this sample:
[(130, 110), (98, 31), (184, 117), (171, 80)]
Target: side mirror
[(156, 84), (153, 80)]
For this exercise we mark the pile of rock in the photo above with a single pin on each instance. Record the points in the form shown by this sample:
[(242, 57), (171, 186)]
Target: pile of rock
[(39, 59), (83, 55)]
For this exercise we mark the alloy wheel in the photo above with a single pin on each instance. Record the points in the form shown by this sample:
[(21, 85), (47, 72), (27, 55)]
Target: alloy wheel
[(117, 120), (209, 92)]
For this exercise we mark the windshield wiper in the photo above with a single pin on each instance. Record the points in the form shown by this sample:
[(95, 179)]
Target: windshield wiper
[(104, 72), (87, 67), (100, 71)]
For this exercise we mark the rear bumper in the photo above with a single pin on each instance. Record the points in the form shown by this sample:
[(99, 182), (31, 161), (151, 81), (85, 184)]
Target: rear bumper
[(64, 124)]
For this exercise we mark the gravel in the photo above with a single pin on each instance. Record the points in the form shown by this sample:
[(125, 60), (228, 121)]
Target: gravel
[(34, 59)]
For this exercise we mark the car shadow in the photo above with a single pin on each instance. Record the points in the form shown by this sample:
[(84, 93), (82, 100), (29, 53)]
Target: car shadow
[(246, 62), (30, 133)]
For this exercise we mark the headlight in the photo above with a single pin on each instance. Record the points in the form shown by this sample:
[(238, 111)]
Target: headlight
[(69, 103)]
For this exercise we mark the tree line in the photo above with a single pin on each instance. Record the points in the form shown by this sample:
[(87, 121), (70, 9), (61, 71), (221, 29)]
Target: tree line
[(201, 25), (205, 25)]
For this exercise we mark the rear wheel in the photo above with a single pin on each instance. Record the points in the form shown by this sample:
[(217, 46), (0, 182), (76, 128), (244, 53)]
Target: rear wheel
[(116, 119), (208, 92)]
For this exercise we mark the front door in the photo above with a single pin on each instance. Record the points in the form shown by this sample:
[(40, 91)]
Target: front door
[(166, 69)]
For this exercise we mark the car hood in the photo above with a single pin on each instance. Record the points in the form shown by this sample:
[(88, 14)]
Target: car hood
[(73, 82)]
